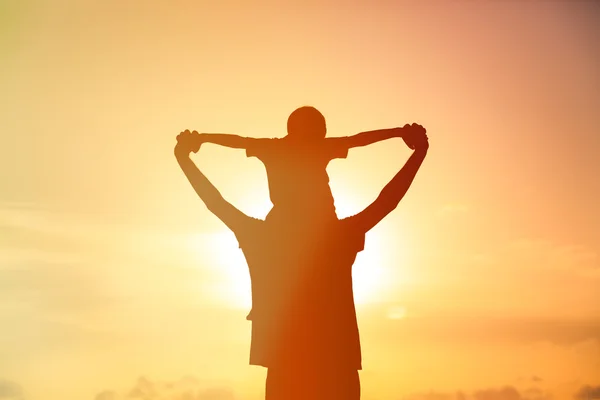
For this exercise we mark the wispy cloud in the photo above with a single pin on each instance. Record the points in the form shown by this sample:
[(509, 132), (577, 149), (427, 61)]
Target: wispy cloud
[(35, 234), (490, 330), (529, 277), (10, 391), (107, 395), (546, 254), (69, 279), (187, 388), (588, 392), (503, 393), (542, 254)]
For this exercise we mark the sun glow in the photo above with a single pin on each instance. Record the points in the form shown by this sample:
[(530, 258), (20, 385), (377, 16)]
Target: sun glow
[(230, 280), (368, 272), (371, 275), (377, 269)]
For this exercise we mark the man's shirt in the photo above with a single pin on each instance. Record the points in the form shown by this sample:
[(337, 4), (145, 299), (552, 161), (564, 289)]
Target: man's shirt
[(303, 311)]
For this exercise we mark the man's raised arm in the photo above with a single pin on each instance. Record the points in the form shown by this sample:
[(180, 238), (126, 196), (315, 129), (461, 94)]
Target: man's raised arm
[(395, 190), (225, 211)]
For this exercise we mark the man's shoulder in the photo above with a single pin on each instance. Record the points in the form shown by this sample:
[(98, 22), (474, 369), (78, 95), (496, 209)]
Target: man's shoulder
[(268, 141), (351, 233), (250, 225), (261, 147), (250, 231), (350, 223)]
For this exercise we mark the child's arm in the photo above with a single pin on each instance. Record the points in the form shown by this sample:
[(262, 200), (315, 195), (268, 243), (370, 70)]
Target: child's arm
[(225, 139), (253, 146), (369, 137)]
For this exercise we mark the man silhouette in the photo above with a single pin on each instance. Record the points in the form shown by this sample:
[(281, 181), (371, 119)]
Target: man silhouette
[(304, 328), (296, 165)]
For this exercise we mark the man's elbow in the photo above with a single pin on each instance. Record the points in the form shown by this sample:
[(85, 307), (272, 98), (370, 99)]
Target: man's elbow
[(215, 204), (212, 205), (387, 204)]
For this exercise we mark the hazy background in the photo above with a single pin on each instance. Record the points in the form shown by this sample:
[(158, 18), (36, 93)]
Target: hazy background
[(116, 281)]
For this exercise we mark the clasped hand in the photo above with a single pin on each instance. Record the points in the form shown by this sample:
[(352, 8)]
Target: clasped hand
[(188, 142), (415, 137)]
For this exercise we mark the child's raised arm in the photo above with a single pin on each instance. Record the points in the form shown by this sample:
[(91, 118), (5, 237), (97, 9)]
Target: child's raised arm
[(369, 137), (225, 139)]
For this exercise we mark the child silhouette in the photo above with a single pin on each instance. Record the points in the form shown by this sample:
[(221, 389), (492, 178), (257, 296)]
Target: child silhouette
[(296, 164)]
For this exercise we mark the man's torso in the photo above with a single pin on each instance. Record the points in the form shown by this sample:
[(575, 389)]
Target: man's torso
[(303, 306)]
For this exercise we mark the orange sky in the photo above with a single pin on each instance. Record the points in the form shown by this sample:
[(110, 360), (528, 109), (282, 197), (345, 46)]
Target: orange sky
[(484, 280)]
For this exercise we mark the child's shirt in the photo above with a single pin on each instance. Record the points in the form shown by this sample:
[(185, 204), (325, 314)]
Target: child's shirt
[(297, 172)]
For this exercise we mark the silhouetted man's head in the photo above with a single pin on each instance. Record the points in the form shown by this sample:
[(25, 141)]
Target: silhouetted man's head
[(306, 123)]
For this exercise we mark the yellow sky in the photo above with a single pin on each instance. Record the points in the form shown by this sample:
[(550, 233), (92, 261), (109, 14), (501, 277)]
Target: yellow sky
[(485, 277)]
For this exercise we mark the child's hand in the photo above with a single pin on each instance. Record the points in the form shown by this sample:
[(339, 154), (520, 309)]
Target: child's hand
[(193, 140), (420, 141), (196, 140), (406, 135), (415, 137), (187, 142)]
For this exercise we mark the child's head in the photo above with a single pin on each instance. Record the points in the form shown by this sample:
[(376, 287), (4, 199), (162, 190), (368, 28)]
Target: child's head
[(306, 123)]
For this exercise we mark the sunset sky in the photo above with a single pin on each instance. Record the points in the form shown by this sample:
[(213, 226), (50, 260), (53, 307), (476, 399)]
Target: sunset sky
[(115, 279)]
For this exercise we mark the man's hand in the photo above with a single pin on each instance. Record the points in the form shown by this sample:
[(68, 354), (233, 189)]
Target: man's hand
[(187, 142), (415, 137), (405, 134), (420, 139)]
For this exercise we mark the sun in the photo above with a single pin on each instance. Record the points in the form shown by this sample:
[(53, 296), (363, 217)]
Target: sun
[(368, 271), (225, 267)]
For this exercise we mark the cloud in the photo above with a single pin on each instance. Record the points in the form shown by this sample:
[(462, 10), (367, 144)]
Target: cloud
[(106, 395), (550, 255), (543, 255), (45, 251), (502, 393), (215, 394), (529, 276), (10, 391), (437, 396), (35, 234), (489, 329), (588, 392), (187, 388), (536, 394), (505, 393), (532, 378)]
